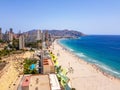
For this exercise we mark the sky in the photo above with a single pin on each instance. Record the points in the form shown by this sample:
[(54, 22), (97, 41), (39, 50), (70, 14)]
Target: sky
[(87, 16)]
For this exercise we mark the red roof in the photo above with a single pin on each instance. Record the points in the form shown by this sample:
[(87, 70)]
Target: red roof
[(47, 62), (26, 81)]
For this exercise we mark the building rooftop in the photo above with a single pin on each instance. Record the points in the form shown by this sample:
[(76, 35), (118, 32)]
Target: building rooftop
[(54, 82), (26, 81), (39, 82), (47, 62)]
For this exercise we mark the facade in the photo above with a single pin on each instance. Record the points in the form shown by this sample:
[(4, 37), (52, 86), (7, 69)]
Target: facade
[(10, 35), (46, 35), (6, 36), (21, 42), (48, 66), (39, 36)]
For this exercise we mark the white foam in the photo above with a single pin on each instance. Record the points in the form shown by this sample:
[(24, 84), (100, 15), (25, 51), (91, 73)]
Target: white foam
[(92, 60), (104, 67), (108, 69), (71, 49), (80, 54)]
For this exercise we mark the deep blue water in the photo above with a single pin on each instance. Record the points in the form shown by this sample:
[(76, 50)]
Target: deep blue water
[(102, 50)]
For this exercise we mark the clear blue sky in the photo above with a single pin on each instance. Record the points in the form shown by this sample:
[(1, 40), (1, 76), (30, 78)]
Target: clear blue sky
[(87, 16)]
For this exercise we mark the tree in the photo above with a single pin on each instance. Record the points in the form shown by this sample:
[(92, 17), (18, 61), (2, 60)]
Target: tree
[(27, 64)]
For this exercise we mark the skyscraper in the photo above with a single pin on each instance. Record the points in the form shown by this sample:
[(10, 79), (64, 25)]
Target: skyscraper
[(6, 36), (0, 33), (46, 35), (46, 39), (11, 30), (10, 36), (21, 42), (38, 35)]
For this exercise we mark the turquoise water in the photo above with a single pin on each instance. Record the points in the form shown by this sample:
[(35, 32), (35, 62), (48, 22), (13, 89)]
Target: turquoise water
[(101, 50)]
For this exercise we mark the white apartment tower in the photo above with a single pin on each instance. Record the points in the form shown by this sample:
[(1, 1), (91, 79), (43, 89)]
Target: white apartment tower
[(21, 42), (10, 36), (38, 35)]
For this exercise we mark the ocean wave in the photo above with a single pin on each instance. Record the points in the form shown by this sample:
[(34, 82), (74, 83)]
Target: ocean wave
[(92, 60), (100, 65), (80, 54), (108, 69), (104, 67), (71, 49)]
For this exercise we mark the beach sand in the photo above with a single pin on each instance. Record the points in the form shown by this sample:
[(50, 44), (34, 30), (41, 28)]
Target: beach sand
[(84, 76)]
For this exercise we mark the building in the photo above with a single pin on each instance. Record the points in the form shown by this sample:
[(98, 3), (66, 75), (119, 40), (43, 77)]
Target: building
[(0, 33), (10, 35), (46, 35), (25, 83), (39, 36), (21, 42), (48, 66), (39, 82), (6, 36), (11, 30), (54, 82)]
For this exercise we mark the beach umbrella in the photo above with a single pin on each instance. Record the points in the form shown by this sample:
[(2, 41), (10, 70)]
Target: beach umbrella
[(64, 71), (63, 79), (56, 64)]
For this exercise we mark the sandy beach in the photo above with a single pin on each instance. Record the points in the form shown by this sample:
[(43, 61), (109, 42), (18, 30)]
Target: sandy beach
[(84, 76)]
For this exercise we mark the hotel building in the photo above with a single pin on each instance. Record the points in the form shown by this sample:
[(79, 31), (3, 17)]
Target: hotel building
[(21, 42), (39, 36)]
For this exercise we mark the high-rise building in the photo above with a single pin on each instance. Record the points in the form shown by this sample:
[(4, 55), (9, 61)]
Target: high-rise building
[(21, 42), (0, 33), (39, 36), (11, 30), (6, 36), (46, 39), (42, 36), (46, 36), (10, 36)]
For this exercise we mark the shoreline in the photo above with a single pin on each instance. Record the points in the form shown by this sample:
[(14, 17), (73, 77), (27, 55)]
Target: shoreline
[(90, 72), (92, 64)]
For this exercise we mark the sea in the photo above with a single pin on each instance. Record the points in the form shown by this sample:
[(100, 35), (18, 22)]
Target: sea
[(101, 50)]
